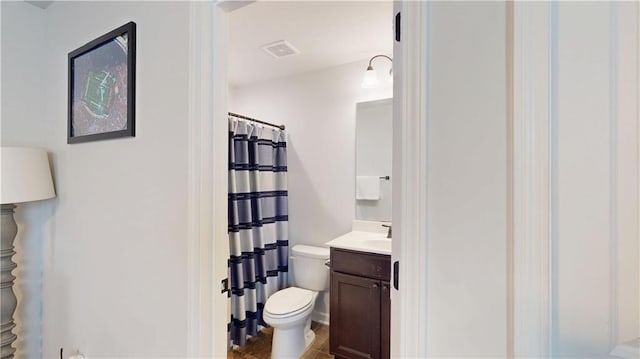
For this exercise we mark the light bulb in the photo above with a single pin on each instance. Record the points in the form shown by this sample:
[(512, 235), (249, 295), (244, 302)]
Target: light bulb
[(370, 78)]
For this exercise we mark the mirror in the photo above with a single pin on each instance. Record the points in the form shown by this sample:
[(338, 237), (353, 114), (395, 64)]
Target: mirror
[(374, 132)]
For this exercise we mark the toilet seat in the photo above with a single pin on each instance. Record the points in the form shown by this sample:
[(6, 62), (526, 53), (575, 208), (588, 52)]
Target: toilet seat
[(289, 302)]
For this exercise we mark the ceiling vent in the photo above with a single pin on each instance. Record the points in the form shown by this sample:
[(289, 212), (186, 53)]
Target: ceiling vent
[(280, 49), (43, 4)]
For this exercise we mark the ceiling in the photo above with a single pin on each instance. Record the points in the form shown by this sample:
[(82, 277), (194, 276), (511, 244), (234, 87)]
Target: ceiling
[(327, 33)]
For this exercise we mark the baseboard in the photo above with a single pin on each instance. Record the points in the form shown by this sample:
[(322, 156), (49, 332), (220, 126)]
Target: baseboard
[(320, 317)]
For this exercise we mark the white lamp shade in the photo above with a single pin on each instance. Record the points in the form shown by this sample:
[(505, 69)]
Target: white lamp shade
[(370, 79), (25, 175)]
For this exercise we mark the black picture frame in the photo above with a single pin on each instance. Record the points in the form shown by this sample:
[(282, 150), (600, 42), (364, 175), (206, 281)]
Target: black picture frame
[(89, 86)]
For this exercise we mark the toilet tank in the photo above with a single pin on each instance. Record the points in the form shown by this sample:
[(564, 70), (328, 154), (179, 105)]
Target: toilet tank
[(309, 270)]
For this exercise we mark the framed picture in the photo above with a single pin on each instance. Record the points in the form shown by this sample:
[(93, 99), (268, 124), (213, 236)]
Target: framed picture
[(102, 87)]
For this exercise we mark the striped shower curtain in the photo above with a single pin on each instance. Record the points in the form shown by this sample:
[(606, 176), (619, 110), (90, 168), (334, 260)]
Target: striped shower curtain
[(258, 221)]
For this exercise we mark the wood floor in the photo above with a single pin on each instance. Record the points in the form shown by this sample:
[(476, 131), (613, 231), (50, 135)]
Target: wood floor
[(259, 346)]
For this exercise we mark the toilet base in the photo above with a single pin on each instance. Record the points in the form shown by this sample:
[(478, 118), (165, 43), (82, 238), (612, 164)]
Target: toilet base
[(309, 337), (292, 342)]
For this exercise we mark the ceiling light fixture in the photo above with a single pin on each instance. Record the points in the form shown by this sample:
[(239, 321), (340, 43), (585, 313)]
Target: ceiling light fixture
[(370, 78)]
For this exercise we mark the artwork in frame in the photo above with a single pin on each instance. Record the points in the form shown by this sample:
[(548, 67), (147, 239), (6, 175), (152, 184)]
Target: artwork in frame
[(102, 87)]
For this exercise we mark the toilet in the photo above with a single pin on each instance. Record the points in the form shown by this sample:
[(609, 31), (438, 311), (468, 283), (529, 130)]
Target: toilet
[(289, 310)]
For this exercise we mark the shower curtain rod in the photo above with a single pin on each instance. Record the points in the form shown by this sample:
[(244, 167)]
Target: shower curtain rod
[(255, 120)]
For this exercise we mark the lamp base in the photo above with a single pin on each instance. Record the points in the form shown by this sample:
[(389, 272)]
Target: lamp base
[(9, 230)]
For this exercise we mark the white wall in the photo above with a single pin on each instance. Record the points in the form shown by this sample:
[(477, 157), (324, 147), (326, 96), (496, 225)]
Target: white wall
[(467, 181), (374, 149), (114, 251), (319, 111)]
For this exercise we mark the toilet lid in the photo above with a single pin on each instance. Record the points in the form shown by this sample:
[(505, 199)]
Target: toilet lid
[(288, 301)]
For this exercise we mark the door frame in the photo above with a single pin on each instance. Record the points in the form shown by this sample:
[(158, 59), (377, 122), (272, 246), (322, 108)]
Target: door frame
[(207, 304), (534, 119), (207, 307), (410, 162), (531, 293)]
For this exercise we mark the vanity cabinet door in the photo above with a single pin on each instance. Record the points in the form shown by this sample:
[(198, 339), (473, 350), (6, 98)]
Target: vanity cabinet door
[(385, 318), (355, 313)]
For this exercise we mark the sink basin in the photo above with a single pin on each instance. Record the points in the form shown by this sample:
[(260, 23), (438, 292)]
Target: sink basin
[(371, 242)]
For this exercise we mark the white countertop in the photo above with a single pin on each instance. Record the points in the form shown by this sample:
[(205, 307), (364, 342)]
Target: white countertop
[(371, 242)]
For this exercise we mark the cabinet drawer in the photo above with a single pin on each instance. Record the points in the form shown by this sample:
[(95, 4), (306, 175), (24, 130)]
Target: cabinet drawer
[(355, 317), (370, 265)]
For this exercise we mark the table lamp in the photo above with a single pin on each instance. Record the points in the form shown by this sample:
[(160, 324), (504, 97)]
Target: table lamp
[(25, 176)]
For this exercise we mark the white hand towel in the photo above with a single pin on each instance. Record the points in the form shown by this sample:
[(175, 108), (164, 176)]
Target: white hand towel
[(368, 188)]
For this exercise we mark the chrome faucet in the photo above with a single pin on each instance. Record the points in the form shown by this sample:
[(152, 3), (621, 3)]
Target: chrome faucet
[(389, 227)]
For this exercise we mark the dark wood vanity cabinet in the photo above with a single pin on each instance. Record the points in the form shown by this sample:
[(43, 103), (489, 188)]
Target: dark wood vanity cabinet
[(360, 304)]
